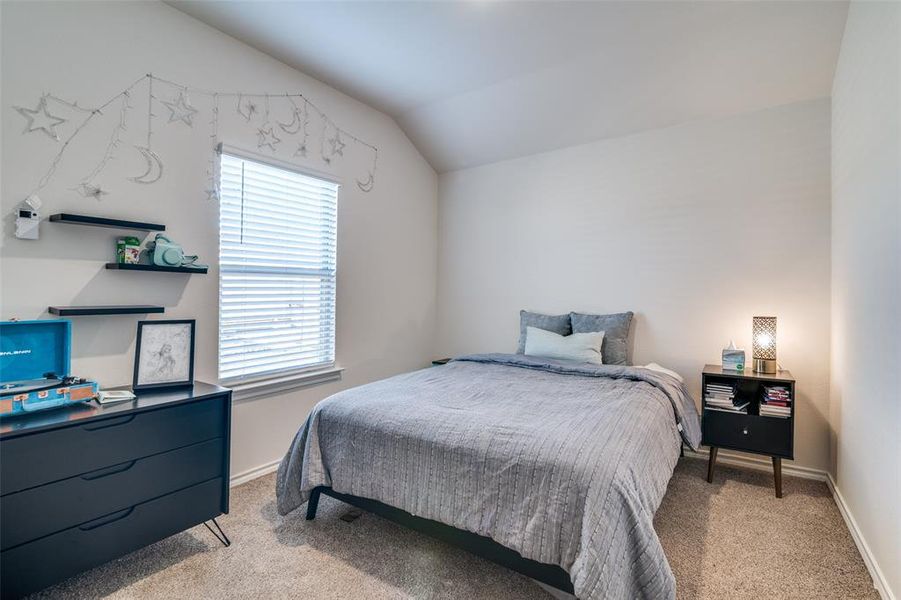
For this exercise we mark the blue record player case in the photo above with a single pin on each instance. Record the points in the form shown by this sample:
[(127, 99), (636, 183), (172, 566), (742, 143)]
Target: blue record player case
[(34, 367)]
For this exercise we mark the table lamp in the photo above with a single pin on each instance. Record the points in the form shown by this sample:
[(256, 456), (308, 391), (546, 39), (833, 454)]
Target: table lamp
[(764, 344)]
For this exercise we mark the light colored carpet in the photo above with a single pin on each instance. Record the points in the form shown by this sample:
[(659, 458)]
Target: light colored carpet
[(729, 539)]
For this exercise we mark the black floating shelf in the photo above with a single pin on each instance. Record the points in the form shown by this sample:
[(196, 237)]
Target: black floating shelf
[(104, 222), (84, 311), (131, 267)]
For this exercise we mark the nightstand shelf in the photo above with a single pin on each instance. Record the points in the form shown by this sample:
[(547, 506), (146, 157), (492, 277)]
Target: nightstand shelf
[(748, 431)]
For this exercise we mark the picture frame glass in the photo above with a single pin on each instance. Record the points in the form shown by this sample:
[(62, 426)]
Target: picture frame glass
[(165, 354)]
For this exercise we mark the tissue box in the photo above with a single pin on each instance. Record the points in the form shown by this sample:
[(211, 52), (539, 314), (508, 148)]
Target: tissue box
[(733, 360)]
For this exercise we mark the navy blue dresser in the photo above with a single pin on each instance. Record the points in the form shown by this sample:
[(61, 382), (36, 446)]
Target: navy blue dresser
[(84, 485)]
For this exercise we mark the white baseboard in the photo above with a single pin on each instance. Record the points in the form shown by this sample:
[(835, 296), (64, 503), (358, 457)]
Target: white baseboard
[(763, 464), (254, 473), (879, 581), (759, 464)]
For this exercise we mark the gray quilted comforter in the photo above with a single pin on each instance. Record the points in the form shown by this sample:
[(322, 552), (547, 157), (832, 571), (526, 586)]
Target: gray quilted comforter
[(565, 463)]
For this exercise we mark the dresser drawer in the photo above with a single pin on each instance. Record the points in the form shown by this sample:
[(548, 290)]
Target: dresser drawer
[(37, 459), (753, 433), (40, 511), (40, 563)]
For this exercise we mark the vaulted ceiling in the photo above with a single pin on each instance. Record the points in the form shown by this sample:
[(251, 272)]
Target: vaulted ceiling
[(478, 81)]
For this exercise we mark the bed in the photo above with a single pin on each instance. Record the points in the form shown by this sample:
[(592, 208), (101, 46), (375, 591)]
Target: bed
[(553, 468)]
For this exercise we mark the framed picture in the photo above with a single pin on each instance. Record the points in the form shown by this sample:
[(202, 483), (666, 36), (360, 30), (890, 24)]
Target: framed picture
[(164, 354)]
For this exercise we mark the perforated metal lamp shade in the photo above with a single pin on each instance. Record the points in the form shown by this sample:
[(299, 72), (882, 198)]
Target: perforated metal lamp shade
[(764, 344)]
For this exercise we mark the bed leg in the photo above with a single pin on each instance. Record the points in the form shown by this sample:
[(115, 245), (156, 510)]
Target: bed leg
[(313, 503)]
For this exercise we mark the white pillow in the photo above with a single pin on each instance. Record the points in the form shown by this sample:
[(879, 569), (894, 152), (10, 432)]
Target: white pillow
[(582, 347), (656, 367)]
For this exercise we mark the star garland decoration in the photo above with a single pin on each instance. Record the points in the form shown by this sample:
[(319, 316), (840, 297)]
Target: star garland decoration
[(302, 147), (91, 191), (180, 108), (336, 144), (267, 137), (114, 141), (153, 164), (247, 109), (40, 119), (213, 191), (265, 134)]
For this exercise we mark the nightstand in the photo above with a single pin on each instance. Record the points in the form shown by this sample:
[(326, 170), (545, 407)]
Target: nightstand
[(750, 430)]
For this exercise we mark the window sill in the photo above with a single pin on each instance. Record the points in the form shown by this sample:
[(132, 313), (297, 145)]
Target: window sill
[(245, 390)]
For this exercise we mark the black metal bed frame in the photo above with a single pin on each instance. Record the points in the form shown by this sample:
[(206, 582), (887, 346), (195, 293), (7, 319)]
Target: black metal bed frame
[(479, 545)]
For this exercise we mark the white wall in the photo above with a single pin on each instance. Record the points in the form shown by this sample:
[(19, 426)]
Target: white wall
[(89, 52), (866, 279), (696, 228)]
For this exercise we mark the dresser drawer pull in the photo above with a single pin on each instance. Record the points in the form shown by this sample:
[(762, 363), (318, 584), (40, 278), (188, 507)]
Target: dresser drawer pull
[(745, 431), (116, 516), (110, 423), (106, 471)]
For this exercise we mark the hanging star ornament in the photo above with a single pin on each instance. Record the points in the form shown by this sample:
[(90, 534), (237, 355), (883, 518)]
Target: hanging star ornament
[(89, 190), (337, 144), (40, 119), (266, 137), (181, 110)]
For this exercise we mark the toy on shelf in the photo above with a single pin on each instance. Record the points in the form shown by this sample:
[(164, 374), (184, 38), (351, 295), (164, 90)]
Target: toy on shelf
[(166, 253), (128, 250)]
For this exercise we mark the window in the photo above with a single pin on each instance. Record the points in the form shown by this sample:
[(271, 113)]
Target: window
[(277, 268)]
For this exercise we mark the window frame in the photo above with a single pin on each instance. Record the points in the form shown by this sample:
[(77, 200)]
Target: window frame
[(284, 380)]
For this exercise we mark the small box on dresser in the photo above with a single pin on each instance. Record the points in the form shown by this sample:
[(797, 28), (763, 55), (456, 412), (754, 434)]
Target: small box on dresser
[(733, 419), (84, 485)]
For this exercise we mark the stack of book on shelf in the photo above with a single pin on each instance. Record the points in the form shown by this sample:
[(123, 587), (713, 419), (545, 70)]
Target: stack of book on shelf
[(776, 401), (721, 396)]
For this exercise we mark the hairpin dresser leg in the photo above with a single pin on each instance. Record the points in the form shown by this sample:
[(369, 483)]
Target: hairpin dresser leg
[(313, 503), (777, 475), (220, 535), (711, 462)]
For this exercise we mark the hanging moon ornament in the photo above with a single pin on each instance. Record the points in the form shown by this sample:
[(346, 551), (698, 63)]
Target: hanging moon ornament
[(246, 109), (292, 127), (367, 185), (154, 166)]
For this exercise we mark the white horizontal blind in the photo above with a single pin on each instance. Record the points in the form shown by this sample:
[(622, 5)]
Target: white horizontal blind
[(277, 246)]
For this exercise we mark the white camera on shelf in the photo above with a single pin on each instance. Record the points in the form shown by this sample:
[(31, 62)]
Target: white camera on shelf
[(28, 219)]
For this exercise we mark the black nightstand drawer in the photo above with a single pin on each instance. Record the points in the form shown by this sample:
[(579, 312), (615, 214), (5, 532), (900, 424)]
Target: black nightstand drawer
[(37, 564), (34, 513), (752, 433), (78, 449)]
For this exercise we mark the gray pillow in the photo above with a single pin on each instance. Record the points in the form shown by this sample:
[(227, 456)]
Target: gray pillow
[(616, 334), (559, 324)]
